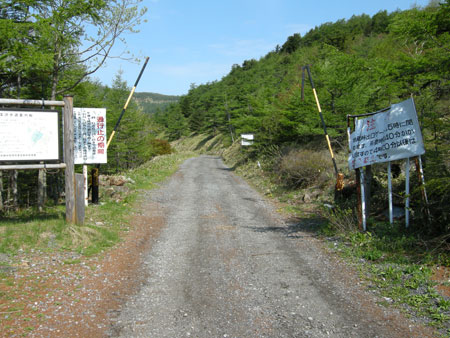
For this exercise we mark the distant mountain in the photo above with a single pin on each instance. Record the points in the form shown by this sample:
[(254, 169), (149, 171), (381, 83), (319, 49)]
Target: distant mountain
[(151, 102)]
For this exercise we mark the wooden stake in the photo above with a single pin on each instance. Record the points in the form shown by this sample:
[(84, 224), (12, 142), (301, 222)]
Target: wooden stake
[(85, 177), (69, 159), (419, 169)]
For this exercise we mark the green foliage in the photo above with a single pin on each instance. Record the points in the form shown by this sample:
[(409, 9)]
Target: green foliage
[(341, 221), (292, 44), (359, 65), (30, 230), (438, 190), (48, 47), (395, 268), (130, 146), (150, 103)]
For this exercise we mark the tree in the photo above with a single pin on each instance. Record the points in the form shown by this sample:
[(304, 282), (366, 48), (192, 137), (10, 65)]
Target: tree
[(73, 20), (291, 44), (65, 40), (21, 57)]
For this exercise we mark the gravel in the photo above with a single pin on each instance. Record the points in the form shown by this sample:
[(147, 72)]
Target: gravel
[(227, 265)]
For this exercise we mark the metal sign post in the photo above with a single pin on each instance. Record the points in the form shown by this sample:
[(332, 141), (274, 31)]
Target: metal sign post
[(391, 207), (363, 201), (407, 167)]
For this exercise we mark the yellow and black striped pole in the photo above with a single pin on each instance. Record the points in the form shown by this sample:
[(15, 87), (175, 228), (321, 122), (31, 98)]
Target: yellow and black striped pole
[(126, 104), (320, 113)]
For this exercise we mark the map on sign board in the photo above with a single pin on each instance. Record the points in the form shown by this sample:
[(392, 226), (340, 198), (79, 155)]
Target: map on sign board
[(387, 136), (28, 135), (89, 135)]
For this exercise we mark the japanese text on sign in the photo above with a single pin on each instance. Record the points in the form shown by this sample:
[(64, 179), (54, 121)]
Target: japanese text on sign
[(387, 136), (247, 139), (89, 135), (28, 135)]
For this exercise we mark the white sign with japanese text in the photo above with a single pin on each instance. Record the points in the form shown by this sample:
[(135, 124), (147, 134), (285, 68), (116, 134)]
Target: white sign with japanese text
[(387, 136), (247, 139), (89, 135), (28, 135)]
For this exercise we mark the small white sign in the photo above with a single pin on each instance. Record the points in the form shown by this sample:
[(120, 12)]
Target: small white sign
[(386, 136), (28, 135), (247, 139), (90, 135)]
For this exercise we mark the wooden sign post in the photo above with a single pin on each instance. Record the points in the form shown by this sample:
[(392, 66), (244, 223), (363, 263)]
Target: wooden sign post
[(69, 160)]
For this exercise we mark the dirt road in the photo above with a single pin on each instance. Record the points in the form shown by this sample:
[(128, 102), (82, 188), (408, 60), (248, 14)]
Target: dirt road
[(226, 265)]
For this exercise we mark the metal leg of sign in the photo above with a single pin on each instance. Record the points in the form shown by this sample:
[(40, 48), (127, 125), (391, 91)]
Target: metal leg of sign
[(422, 177), (424, 190), (85, 176), (391, 215), (407, 192), (363, 200)]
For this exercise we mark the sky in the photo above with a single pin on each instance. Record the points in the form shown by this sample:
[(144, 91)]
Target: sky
[(198, 41)]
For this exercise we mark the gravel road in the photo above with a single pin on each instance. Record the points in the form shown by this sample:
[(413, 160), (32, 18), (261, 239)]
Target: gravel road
[(226, 265)]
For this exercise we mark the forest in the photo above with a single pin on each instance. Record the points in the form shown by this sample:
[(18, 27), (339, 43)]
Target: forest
[(359, 65), (152, 102), (51, 48)]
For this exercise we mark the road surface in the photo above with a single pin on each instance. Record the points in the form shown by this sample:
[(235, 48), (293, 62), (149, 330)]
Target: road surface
[(226, 265)]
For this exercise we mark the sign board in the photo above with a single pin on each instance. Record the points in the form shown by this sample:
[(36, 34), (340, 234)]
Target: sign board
[(247, 139), (28, 135), (89, 135), (387, 136)]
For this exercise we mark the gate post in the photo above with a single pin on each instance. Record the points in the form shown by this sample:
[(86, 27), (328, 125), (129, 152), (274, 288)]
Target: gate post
[(69, 159)]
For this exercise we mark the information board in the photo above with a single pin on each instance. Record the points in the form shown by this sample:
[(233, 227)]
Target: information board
[(28, 135), (386, 136), (90, 135)]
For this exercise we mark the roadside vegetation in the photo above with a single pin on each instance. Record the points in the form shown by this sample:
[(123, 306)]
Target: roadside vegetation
[(405, 268), (359, 65), (36, 247), (28, 230)]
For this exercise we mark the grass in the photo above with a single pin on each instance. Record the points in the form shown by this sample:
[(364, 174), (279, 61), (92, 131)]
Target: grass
[(389, 258), (396, 267), (28, 230)]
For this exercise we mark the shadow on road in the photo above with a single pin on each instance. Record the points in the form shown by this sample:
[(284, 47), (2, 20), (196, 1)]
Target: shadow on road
[(295, 228)]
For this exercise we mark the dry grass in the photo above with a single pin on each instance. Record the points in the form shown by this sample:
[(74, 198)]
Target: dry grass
[(305, 168)]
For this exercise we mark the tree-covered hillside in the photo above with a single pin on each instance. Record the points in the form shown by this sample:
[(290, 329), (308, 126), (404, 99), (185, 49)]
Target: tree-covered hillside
[(359, 65), (152, 102), (51, 48)]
